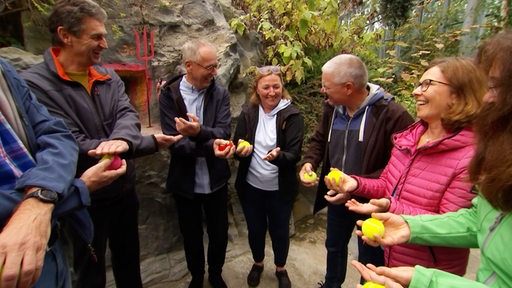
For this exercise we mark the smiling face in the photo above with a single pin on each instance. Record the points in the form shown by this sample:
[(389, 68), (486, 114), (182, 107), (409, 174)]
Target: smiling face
[(86, 48), (269, 89), (201, 72), (337, 93), (435, 101)]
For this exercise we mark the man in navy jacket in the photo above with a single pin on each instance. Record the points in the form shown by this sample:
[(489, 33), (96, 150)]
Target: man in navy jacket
[(194, 106)]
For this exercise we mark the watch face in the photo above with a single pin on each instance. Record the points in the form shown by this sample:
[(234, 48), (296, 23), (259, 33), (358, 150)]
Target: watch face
[(44, 195), (48, 195)]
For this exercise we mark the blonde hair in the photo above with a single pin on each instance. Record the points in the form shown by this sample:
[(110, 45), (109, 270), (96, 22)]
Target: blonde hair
[(262, 72)]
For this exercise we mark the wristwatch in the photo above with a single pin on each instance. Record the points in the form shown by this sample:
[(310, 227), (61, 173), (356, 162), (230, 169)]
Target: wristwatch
[(44, 195)]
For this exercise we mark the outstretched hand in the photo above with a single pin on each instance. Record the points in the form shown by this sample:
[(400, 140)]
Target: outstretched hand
[(272, 155), (243, 150), (110, 147), (347, 185), (165, 141), (396, 230), (373, 206), (307, 168), (396, 277), (226, 153)]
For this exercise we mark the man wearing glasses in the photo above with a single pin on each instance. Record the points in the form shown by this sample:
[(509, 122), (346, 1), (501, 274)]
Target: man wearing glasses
[(194, 106), (354, 136)]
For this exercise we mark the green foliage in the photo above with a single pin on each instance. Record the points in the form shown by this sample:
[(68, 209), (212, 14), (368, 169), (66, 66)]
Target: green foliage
[(43, 7), (294, 32), (289, 28), (395, 38)]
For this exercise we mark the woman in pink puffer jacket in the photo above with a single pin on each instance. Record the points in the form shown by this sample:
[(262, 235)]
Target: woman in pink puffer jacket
[(427, 172)]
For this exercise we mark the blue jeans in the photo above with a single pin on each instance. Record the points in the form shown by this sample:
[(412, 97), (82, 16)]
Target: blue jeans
[(340, 225), (262, 210), (55, 269)]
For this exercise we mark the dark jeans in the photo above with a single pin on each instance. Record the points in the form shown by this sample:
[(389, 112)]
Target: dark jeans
[(116, 222), (190, 217), (55, 271), (340, 226), (263, 209)]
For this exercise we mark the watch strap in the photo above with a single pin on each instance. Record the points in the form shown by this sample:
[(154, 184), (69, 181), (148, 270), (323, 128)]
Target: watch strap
[(43, 195)]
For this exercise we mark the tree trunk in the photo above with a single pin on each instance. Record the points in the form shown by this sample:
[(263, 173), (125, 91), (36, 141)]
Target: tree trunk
[(505, 6), (473, 16), (444, 18)]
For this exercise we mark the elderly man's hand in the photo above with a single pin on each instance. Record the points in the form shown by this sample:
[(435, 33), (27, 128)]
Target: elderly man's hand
[(188, 128), (23, 243)]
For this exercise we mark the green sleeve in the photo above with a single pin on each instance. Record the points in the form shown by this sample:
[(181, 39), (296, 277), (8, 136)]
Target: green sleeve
[(433, 278), (453, 229)]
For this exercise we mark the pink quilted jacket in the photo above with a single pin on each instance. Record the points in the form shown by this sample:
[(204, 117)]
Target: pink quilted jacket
[(432, 179)]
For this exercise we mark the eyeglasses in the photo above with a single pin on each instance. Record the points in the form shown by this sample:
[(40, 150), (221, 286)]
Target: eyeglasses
[(210, 68), (426, 83), (327, 88), (269, 69)]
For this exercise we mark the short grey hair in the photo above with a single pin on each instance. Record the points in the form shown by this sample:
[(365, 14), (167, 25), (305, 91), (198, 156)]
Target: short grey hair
[(70, 14), (347, 67), (190, 50)]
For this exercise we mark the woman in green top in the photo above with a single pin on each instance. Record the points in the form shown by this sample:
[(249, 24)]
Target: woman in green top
[(488, 223)]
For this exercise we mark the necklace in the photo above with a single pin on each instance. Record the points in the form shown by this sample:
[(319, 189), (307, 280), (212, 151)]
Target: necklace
[(429, 138)]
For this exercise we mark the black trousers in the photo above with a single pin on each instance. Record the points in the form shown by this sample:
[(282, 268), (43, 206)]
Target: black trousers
[(117, 225), (264, 211), (190, 217)]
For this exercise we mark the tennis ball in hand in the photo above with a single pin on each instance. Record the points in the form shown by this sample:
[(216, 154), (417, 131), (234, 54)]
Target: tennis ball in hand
[(335, 175), (244, 144), (370, 284), (226, 144), (116, 161), (311, 177), (372, 226)]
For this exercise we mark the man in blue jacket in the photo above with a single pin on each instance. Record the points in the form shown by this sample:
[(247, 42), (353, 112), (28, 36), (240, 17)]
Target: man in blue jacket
[(37, 187)]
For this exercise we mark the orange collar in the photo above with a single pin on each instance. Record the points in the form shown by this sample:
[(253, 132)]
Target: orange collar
[(93, 74)]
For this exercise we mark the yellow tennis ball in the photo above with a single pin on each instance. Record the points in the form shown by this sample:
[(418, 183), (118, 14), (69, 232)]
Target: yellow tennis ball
[(311, 177), (244, 144), (372, 226), (335, 175), (370, 284)]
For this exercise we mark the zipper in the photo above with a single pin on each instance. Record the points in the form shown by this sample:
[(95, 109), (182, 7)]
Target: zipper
[(492, 229), (347, 127)]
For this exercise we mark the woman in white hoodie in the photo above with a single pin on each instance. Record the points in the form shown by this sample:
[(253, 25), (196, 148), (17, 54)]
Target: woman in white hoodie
[(267, 181)]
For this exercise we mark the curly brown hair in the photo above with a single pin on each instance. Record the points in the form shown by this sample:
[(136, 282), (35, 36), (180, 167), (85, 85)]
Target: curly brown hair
[(491, 166)]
